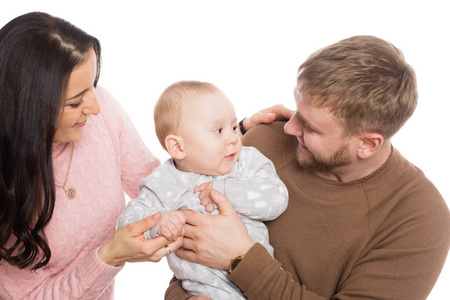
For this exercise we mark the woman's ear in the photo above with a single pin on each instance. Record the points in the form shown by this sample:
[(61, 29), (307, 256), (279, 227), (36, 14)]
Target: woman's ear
[(370, 143), (174, 145)]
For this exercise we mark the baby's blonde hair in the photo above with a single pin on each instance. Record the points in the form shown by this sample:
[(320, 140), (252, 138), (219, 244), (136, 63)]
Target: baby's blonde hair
[(168, 108)]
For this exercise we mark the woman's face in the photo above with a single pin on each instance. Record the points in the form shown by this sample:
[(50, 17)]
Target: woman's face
[(80, 102)]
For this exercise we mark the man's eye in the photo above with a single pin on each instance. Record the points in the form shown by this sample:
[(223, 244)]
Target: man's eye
[(308, 128)]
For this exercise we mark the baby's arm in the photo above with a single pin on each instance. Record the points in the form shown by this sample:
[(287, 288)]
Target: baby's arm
[(146, 204)]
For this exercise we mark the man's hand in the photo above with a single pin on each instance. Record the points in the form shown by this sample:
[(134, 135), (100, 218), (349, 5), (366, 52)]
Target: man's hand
[(275, 113), (214, 240)]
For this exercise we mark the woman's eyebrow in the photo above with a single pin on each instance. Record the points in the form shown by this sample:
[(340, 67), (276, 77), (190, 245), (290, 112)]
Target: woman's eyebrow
[(77, 95)]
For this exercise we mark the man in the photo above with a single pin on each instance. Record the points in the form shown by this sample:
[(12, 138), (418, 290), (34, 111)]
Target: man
[(362, 222)]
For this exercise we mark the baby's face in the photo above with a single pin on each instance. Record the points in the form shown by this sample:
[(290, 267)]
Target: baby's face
[(211, 135)]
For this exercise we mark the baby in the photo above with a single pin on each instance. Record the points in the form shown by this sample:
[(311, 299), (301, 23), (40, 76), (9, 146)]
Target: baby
[(196, 124)]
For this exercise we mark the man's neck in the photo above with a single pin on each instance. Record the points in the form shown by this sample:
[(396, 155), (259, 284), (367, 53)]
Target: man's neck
[(358, 169)]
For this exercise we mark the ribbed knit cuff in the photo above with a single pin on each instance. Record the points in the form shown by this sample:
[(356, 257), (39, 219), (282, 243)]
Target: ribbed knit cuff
[(96, 275), (252, 267)]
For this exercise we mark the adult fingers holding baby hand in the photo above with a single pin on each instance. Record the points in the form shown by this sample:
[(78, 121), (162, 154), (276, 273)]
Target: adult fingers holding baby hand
[(129, 245)]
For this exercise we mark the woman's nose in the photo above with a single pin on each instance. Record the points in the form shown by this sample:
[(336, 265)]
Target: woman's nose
[(91, 105)]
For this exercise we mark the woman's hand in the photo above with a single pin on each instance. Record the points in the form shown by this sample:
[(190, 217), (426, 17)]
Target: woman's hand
[(129, 245), (214, 240), (277, 112)]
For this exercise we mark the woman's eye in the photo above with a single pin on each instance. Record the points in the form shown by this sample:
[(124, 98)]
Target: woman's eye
[(75, 105)]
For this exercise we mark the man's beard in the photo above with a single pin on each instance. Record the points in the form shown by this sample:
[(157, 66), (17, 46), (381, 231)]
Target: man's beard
[(339, 158)]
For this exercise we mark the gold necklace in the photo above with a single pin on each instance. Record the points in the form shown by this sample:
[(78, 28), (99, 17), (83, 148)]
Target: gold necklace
[(71, 193)]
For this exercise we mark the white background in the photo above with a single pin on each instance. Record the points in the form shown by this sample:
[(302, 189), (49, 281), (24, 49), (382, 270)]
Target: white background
[(251, 50)]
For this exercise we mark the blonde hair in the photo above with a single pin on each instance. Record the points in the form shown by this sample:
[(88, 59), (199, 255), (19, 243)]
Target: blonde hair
[(366, 83), (168, 109)]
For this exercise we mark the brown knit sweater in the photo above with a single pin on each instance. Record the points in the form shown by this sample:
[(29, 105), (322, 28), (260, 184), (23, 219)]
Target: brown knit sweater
[(385, 236)]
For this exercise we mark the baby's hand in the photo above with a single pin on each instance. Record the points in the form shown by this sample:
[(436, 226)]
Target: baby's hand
[(171, 225), (205, 199)]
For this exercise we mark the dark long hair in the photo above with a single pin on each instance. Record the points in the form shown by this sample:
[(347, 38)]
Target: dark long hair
[(38, 52)]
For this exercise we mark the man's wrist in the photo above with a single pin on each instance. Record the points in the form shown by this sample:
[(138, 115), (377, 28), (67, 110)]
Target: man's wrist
[(234, 262), (242, 127)]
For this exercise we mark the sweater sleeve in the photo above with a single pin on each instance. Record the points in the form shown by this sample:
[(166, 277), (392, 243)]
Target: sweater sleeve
[(257, 193), (406, 254), (87, 281), (259, 276), (136, 160), (146, 204)]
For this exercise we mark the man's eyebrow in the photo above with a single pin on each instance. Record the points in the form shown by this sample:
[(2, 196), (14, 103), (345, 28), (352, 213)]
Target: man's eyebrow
[(301, 118), (307, 123)]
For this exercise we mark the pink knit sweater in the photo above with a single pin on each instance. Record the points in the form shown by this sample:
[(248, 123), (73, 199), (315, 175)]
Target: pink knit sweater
[(109, 160)]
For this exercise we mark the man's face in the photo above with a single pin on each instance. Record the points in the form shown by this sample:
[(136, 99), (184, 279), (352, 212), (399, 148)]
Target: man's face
[(323, 145)]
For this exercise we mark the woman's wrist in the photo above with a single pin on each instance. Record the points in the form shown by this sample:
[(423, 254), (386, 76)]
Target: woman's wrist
[(104, 253)]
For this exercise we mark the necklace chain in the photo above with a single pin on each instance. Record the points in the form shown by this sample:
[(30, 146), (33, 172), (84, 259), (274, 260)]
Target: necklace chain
[(70, 192)]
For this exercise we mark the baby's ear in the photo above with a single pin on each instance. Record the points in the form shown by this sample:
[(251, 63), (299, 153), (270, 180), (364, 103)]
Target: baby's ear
[(174, 145)]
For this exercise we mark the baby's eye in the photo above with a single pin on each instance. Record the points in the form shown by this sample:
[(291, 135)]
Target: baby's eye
[(235, 128), (218, 131)]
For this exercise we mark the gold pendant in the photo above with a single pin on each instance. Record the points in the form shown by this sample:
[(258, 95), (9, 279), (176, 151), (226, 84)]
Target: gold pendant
[(71, 193)]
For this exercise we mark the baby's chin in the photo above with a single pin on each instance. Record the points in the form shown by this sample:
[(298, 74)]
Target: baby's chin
[(219, 173)]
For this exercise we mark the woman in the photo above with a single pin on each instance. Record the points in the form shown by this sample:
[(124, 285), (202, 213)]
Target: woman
[(64, 167)]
